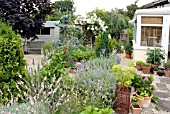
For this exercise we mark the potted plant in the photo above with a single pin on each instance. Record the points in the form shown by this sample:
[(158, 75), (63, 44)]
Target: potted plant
[(167, 69), (161, 71), (128, 49), (145, 92), (139, 65), (136, 108), (122, 92), (155, 56), (146, 68), (155, 70)]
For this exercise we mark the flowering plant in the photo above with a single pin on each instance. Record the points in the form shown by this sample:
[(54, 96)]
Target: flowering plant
[(143, 85), (94, 23)]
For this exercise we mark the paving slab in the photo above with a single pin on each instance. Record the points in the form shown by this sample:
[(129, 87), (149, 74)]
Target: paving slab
[(164, 104), (161, 86), (162, 94), (165, 80)]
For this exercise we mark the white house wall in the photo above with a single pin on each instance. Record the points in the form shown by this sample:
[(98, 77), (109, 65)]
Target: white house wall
[(140, 51)]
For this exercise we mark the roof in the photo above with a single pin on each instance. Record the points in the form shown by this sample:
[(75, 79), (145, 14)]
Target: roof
[(156, 3), (51, 23), (153, 11)]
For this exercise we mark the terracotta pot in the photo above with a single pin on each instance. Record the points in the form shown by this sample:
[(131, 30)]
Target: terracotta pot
[(136, 110), (144, 101), (128, 55), (139, 66), (167, 72), (146, 70), (154, 65)]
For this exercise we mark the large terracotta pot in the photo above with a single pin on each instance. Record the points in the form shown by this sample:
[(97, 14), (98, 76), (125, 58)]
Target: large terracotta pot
[(167, 72), (139, 66), (146, 70), (136, 110), (128, 55), (144, 101)]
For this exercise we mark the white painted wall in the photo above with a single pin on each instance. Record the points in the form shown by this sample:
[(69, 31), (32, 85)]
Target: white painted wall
[(140, 51)]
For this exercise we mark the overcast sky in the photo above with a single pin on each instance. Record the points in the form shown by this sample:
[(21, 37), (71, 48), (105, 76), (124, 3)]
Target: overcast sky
[(84, 6)]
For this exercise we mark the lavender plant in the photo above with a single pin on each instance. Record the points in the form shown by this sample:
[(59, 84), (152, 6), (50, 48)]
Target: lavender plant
[(95, 77)]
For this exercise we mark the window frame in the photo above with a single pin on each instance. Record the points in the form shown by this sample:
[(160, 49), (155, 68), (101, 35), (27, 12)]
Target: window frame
[(139, 30)]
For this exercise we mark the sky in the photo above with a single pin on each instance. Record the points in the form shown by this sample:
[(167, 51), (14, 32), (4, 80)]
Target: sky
[(84, 6)]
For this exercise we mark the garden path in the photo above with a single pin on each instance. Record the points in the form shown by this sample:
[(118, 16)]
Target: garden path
[(162, 85)]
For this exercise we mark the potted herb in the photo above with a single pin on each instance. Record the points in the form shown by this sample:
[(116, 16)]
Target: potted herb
[(139, 65), (155, 56), (145, 92), (146, 68), (136, 108), (128, 49), (122, 92), (167, 69), (155, 70)]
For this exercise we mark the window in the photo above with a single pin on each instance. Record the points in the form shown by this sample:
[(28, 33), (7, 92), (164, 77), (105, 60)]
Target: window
[(151, 31), (152, 20), (44, 31), (151, 36)]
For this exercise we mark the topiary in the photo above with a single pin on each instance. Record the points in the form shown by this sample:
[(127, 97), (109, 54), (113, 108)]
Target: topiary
[(12, 65), (103, 48)]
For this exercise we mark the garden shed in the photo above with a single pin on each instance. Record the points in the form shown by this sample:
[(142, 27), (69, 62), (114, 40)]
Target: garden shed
[(151, 29), (50, 32)]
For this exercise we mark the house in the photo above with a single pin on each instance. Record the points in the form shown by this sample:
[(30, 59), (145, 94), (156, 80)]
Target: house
[(50, 32), (151, 29), (158, 4)]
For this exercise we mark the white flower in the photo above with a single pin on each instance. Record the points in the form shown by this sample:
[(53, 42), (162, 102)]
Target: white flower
[(20, 76), (92, 28), (45, 78)]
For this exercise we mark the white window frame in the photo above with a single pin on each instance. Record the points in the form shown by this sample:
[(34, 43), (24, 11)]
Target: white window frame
[(139, 26)]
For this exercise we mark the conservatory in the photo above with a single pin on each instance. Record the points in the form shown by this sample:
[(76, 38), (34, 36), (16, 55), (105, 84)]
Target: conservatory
[(151, 29)]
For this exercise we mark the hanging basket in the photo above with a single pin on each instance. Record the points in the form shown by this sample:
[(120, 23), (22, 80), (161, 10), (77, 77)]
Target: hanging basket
[(122, 100)]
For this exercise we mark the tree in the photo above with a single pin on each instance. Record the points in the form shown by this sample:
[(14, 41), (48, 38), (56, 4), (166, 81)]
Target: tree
[(62, 7), (101, 13), (12, 65), (116, 22), (102, 50), (131, 9), (25, 16)]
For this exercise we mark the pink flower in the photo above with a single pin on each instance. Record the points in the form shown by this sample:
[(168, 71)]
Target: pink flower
[(65, 51), (79, 65)]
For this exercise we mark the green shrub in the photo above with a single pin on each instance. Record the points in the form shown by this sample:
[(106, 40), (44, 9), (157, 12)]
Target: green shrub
[(139, 62), (167, 65), (103, 48), (128, 47), (112, 44), (83, 54), (12, 64), (145, 64), (92, 110), (155, 56), (55, 66)]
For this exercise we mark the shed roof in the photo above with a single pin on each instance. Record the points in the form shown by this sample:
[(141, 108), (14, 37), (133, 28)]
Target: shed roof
[(156, 3), (153, 11), (50, 23)]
